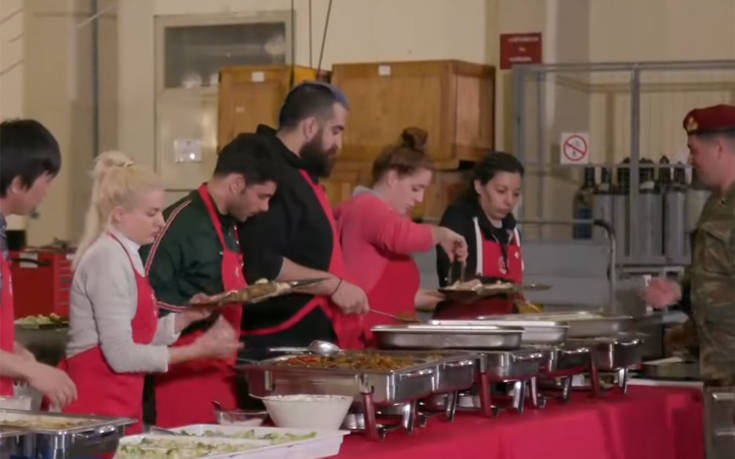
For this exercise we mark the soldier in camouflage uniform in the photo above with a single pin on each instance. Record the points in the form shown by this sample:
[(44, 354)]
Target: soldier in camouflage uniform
[(710, 279)]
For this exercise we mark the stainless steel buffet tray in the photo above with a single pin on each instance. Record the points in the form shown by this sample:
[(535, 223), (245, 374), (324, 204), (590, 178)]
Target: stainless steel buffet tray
[(562, 357), (273, 376), (670, 368), (585, 323), (510, 365), (61, 436), (611, 353), (534, 331), (440, 335)]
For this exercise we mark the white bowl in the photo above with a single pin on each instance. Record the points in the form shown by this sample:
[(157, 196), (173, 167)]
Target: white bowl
[(309, 411)]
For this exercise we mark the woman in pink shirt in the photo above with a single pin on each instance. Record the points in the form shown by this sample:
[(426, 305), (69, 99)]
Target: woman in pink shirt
[(378, 237)]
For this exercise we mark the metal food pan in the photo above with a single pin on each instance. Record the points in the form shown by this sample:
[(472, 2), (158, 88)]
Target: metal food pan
[(562, 357), (673, 369), (534, 331), (93, 435), (613, 353), (510, 365), (437, 336), (586, 323), (386, 386)]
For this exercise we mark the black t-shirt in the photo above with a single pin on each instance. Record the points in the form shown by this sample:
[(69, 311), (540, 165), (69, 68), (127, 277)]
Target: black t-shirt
[(294, 227), (459, 218)]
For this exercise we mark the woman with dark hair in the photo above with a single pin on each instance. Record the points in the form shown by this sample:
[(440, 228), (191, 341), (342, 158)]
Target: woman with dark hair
[(378, 237), (484, 216)]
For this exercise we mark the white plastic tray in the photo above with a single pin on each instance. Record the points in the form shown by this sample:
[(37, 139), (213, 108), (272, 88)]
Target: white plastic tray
[(325, 443), (251, 448)]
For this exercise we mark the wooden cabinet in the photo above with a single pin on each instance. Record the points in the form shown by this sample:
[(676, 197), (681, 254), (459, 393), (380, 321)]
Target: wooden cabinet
[(252, 95), (446, 186), (454, 101)]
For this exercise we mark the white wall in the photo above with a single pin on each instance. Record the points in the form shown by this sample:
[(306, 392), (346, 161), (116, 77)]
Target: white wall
[(359, 31), (12, 70)]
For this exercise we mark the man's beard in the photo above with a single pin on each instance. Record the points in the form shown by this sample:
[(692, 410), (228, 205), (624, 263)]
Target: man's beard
[(316, 160)]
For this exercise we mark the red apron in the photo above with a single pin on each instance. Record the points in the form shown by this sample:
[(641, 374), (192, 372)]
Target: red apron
[(101, 390), (490, 263), (394, 293), (184, 394), (347, 328), (7, 313)]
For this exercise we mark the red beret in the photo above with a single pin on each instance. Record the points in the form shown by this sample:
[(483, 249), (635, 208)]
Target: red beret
[(716, 118)]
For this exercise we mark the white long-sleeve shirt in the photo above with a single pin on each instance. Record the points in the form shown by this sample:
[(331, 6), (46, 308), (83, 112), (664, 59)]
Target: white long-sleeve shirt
[(104, 300)]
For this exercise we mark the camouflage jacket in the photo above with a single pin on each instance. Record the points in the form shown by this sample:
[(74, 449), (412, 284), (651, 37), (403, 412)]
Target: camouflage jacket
[(712, 283)]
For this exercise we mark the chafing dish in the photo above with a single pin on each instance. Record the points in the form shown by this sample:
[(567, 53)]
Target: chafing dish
[(371, 388), (587, 324), (670, 368), (442, 336), (610, 353), (52, 436), (534, 331), (562, 358)]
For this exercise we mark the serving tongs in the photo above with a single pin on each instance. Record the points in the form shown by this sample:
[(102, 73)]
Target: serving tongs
[(256, 292)]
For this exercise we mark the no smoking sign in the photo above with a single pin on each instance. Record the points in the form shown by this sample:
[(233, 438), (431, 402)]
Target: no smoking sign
[(575, 148)]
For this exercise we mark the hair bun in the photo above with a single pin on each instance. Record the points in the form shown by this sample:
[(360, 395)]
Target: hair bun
[(414, 138), (110, 160)]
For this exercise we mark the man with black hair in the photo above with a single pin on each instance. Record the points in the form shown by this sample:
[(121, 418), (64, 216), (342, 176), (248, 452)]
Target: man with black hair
[(296, 239), (29, 161), (197, 252)]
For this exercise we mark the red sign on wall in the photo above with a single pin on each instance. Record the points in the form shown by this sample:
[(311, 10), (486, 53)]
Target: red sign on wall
[(519, 48)]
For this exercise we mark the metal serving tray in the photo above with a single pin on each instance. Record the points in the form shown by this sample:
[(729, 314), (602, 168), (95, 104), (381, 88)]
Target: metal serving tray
[(670, 368), (610, 353), (453, 371), (562, 357), (386, 386), (510, 365), (93, 435), (534, 331), (441, 336), (585, 323)]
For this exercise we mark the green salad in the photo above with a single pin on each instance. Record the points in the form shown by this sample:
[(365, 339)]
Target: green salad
[(175, 449), (274, 437)]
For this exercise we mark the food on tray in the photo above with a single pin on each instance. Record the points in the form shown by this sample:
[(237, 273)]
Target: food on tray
[(42, 320), (158, 448), (476, 285), (44, 422), (260, 290), (353, 361), (273, 437), (473, 284)]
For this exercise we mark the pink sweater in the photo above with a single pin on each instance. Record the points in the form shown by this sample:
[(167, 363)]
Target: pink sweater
[(369, 228)]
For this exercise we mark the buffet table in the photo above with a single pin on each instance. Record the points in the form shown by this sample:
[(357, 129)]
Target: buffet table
[(647, 423)]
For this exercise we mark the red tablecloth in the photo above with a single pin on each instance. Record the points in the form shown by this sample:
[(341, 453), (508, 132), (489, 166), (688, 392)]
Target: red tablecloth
[(647, 423)]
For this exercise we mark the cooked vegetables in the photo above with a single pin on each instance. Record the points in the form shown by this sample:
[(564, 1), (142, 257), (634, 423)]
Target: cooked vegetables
[(155, 448), (273, 437), (353, 361), (41, 320)]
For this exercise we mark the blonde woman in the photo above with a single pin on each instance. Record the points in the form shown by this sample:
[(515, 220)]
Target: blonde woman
[(115, 335)]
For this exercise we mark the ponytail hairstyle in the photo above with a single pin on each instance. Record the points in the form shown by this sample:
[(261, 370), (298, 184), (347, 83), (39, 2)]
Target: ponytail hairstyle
[(116, 181), (406, 157)]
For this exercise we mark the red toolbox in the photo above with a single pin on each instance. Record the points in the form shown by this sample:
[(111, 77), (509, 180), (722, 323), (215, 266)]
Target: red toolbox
[(41, 280)]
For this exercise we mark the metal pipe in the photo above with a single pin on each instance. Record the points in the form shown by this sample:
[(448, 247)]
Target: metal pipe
[(635, 157), (95, 79), (541, 116), (611, 267), (627, 66)]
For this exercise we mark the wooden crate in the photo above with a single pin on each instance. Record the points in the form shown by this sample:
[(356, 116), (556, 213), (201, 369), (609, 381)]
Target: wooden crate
[(453, 100), (345, 176), (252, 94), (446, 186)]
